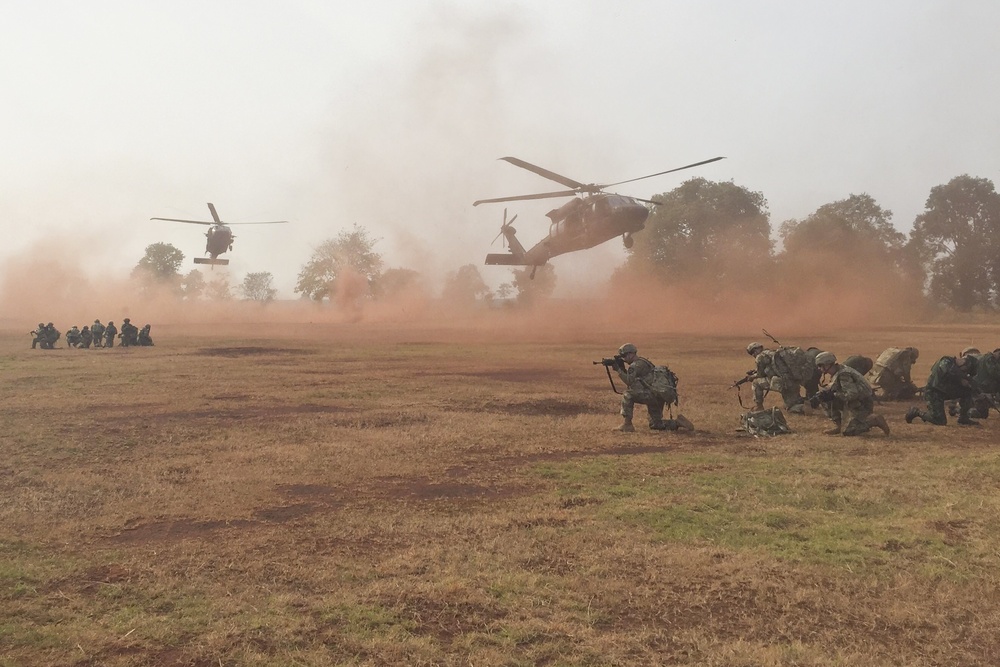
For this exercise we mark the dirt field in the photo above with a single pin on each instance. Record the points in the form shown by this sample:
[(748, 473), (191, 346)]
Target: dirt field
[(454, 495)]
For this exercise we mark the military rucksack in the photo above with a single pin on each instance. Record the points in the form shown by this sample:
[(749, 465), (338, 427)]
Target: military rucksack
[(793, 362), (764, 423)]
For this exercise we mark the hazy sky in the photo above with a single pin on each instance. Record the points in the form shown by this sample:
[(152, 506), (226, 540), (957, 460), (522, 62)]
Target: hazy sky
[(392, 114)]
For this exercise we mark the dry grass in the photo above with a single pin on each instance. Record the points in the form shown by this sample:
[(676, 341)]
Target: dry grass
[(349, 495)]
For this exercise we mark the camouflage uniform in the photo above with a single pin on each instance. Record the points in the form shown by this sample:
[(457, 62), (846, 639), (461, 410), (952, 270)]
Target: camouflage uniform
[(97, 329), (987, 384), (86, 337), (891, 373), (860, 363), (649, 385), (38, 336), (852, 398), (947, 380), (129, 334), (771, 378), (73, 336), (110, 332), (144, 338)]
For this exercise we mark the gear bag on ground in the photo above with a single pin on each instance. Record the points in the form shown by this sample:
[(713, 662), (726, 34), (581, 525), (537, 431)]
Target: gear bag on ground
[(764, 423)]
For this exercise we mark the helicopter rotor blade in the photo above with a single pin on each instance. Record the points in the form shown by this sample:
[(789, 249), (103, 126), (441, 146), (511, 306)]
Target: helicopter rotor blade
[(215, 216), (668, 171), (542, 195), (649, 201), (269, 222), (544, 173), (193, 222)]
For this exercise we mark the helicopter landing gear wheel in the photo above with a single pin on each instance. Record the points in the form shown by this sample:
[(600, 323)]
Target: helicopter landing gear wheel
[(628, 240)]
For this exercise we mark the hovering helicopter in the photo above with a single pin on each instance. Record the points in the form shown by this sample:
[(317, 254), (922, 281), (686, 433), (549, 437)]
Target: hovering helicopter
[(581, 223), (220, 236)]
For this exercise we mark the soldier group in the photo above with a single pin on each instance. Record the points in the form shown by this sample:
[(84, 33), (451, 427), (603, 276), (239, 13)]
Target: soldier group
[(96, 335), (848, 390)]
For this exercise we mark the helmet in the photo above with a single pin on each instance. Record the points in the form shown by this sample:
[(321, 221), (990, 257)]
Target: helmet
[(753, 347), (969, 350), (97, 321), (126, 320), (41, 325), (826, 358), (914, 353), (50, 324), (628, 348)]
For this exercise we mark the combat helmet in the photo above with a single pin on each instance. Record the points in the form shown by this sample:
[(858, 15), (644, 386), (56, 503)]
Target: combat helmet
[(826, 358), (969, 350), (752, 347), (914, 353), (628, 348), (126, 320)]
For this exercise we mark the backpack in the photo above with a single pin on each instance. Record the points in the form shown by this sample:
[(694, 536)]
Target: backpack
[(664, 384), (764, 423), (793, 362)]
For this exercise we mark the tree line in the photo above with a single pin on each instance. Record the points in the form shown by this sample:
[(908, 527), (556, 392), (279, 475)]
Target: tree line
[(714, 234)]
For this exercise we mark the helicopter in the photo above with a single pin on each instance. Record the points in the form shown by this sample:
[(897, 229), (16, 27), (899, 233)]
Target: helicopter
[(220, 236), (581, 223)]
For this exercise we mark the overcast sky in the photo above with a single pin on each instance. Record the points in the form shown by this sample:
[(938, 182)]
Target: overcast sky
[(391, 115)]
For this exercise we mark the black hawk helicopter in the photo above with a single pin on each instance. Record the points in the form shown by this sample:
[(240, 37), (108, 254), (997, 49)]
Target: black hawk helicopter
[(581, 223), (220, 236)]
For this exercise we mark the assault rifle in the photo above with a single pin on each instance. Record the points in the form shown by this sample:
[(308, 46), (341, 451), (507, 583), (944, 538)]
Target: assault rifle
[(749, 377), (618, 363), (821, 396)]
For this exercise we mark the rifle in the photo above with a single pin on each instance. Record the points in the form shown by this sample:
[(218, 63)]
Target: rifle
[(618, 363), (776, 342), (821, 396), (749, 377)]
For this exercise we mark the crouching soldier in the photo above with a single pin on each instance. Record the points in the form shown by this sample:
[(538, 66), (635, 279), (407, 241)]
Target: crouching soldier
[(145, 339), (950, 378), (649, 385), (849, 395), (86, 337), (73, 336)]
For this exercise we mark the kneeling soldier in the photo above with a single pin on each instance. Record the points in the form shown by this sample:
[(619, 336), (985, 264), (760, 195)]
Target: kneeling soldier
[(850, 395), (649, 385)]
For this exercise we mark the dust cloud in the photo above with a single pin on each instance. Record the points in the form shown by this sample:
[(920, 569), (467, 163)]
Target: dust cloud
[(52, 283)]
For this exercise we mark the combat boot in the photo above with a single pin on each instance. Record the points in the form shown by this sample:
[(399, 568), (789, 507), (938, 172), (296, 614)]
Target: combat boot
[(833, 431), (797, 409), (912, 414), (684, 422), (626, 427), (880, 422), (758, 407), (965, 421)]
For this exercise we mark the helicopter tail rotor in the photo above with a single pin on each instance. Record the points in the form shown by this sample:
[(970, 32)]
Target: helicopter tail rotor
[(505, 229)]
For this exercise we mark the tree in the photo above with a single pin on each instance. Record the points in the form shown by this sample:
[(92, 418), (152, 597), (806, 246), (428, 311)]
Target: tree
[(257, 287), (957, 239), (530, 290), (395, 281), (703, 230), (856, 224), (193, 285), (161, 262), (351, 251), (848, 247), (465, 287), (218, 289)]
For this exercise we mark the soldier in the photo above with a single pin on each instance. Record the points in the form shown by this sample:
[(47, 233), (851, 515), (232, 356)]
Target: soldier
[(51, 336), (987, 382), (110, 332), (144, 338), (38, 336), (73, 336), (649, 385), (97, 329), (891, 373), (850, 395), (772, 376), (951, 377), (129, 334), (86, 337), (811, 385)]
